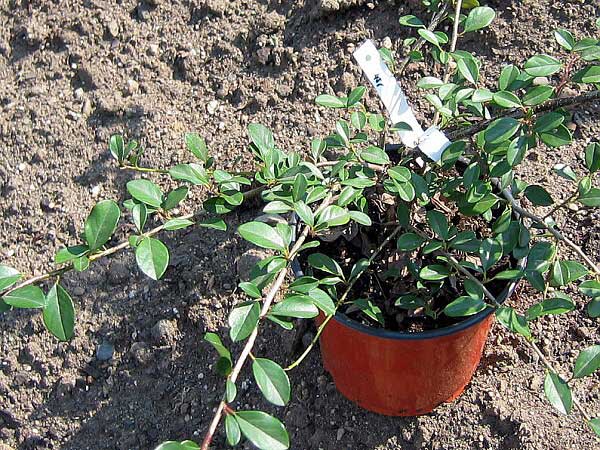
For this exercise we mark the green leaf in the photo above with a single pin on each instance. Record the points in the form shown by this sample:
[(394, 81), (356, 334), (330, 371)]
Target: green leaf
[(409, 301), (197, 146), (325, 264), (299, 187), (538, 195), (565, 272), (558, 137), (263, 430), (263, 235), (333, 216), (59, 313), (595, 423), (429, 83), (452, 153), (216, 223), (375, 155), (272, 381), (467, 67), (175, 197), (101, 223), (490, 253), (361, 218), (514, 322), (356, 96), (262, 137), (232, 430), (506, 99), (298, 306), (411, 21), (548, 122), (587, 362), (438, 223), (330, 101), (592, 157), (542, 66), (140, 215), (224, 364), (177, 224), (590, 198), (82, 263), (230, 391), (434, 272), (322, 300), (358, 119), (558, 393), (409, 241), (564, 38), (501, 130), (593, 308), (478, 18), (370, 310), (68, 254), (175, 445), (8, 277), (591, 288), (464, 306), (507, 76), (192, 173), (538, 95), (243, 320), (557, 305), (590, 74), (145, 191), (26, 297), (429, 36), (152, 257), (305, 213), (117, 147)]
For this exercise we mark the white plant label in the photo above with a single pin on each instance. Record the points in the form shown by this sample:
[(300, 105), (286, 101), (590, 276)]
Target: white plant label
[(431, 142)]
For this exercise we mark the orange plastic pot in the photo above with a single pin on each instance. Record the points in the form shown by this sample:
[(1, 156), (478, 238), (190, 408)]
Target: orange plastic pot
[(402, 374)]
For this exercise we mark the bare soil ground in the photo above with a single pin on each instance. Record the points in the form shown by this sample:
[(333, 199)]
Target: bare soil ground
[(74, 72)]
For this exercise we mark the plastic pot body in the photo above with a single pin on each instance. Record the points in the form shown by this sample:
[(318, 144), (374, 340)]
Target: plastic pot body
[(402, 374)]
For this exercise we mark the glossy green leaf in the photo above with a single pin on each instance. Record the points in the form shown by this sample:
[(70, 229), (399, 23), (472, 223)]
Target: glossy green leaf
[(176, 445), (429, 36), (272, 381), (542, 66), (232, 430), (478, 18), (101, 223), (68, 254), (298, 306), (263, 430), (196, 145), (322, 300), (192, 173), (242, 320), (593, 308), (8, 277), (564, 38), (355, 96), (59, 313), (592, 157), (140, 215), (501, 130), (589, 74), (507, 76), (429, 83), (591, 288), (175, 197), (464, 306), (216, 223), (558, 137), (558, 393), (590, 198), (369, 309), (595, 423), (547, 122), (490, 253), (333, 216), (587, 362), (262, 137), (375, 155), (145, 191), (558, 305), (438, 223), (468, 68), (330, 101), (82, 263), (506, 99), (409, 241), (263, 235), (565, 272), (537, 95), (26, 297), (411, 21), (325, 263), (434, 272), (116, 145), (152, 257), (513, 321), (177, 224), (224, 364), (538, 195)]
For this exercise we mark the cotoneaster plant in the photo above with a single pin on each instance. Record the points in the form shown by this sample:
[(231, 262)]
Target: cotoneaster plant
[(448, 232)]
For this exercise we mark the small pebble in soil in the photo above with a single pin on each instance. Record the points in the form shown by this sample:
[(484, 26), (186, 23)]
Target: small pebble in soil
[(212, 107), (105, 351), (164, 332)]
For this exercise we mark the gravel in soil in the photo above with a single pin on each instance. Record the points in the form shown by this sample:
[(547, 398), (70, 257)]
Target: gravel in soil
[(136, 373)]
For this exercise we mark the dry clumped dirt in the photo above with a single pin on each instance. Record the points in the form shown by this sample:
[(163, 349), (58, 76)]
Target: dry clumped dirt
[(136, 373)]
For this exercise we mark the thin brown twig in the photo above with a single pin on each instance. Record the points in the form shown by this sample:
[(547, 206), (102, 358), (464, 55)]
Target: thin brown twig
[(275, 287)]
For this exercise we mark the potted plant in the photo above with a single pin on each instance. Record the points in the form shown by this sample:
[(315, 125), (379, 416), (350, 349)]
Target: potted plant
[(403, 262)]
